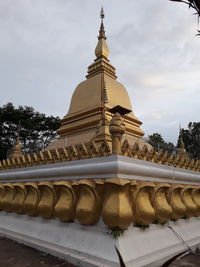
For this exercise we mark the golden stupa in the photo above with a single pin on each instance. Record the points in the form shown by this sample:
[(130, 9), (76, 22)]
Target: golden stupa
[(93, 102), (15, 151)]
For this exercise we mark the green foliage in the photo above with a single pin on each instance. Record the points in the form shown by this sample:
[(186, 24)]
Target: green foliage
[(191, 139), (117, 232), (157, 142), (37, 129), (143, 227), (195, 5), (160, 223)]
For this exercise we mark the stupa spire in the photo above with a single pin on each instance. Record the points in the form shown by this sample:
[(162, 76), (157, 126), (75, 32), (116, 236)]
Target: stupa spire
[(101, 63), (102, 49), (102, 33), (16, 149), (182, 150)]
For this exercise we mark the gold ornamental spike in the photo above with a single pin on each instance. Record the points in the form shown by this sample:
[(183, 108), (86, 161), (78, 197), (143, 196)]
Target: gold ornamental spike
[(102, 47)]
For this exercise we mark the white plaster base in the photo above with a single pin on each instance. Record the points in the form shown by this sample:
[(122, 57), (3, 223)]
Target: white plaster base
[(93, 246)]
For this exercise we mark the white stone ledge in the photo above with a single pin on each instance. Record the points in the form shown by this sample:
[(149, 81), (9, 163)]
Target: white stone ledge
[(91, 246), (105, 167)]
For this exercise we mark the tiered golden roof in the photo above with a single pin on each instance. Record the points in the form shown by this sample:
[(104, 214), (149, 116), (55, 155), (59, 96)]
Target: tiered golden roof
[(92, 100)]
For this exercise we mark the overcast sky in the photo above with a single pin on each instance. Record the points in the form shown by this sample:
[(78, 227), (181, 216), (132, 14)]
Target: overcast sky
[(47, 45)]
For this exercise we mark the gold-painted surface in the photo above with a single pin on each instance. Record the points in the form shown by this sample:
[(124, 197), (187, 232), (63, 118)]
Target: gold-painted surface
[(159, 201), (81, 151), (2, 193), (88, 204), (161, 157), (126, 149), (15, 151), (76, 188), (19, 197), (196, 199), (186, 197), (32, 199), (100, 189), (65, 206), (8, 197), (143, 211), (47, 201), (117, 203), (117, 129), (174, 200), (84, 114)]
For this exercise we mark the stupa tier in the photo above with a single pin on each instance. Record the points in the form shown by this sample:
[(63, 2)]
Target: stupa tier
[(95, 100)]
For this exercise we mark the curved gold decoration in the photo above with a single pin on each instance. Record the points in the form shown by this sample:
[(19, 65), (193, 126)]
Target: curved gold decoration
[(88, 205), (19, 197), (174, 200), (143, 211), (186, 197), (32, 199), (196, 199), (2, 193), (117, 203), (76, 188), (159, 201), (7, 200), (100, 189), (47, 201), (65, 206)]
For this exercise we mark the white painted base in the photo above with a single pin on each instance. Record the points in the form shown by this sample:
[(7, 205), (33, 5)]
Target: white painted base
[(94, 246)]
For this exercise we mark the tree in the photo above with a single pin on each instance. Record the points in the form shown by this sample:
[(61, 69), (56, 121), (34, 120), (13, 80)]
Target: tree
[(191, 139), (194, 4), (36, 129), (157, 141)]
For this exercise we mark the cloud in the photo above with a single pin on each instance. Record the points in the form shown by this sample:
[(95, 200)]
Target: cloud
[(46, 46)]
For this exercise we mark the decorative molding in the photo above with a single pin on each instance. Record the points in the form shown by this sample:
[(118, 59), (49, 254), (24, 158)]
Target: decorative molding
[(123, 202), (64, 154), (161, 157)]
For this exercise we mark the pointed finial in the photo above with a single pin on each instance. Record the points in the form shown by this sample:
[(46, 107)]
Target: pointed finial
[(101, 63), (15, 151), (102, 14), (102, 31), (182, 146), (182, 150)]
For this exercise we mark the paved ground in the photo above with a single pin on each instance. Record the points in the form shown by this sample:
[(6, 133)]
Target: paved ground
[(17, 255), (190, 260), (13, 254)]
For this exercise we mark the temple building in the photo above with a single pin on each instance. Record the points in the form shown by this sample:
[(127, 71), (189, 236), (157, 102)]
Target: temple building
[(87, 197), (95, 100)]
